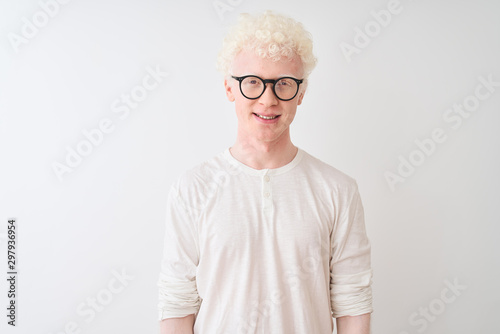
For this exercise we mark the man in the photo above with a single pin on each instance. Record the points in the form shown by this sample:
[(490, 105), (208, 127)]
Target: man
[(265, 238)]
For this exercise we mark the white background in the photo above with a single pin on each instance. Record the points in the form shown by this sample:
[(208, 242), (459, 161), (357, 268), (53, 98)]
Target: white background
[(440, 224)]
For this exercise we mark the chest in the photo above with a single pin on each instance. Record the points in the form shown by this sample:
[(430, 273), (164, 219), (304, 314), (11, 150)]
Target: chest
[(268, 215)]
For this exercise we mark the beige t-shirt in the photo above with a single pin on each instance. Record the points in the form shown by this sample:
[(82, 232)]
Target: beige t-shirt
[(265, 251)]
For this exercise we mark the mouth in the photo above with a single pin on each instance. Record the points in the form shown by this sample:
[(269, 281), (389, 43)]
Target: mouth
[(267, 117)]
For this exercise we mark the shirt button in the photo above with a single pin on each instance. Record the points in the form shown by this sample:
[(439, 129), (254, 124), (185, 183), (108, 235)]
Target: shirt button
[(266, 194), (266, 178)]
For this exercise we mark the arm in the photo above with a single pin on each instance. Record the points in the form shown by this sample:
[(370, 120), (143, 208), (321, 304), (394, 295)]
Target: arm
[(179, 300), (182, 325), (354, 325), (350, 267)]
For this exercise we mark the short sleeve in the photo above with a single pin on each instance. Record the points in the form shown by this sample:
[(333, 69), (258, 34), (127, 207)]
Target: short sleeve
[(350, 261), (178, 295)]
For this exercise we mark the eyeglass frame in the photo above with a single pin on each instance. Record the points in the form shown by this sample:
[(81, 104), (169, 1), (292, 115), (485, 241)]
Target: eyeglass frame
[(266, 81)]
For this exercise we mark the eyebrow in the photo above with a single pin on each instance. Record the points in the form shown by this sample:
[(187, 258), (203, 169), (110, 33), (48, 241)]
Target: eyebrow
[(279, 76)]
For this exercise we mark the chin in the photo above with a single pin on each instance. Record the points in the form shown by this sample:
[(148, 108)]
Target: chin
[(269, 137)]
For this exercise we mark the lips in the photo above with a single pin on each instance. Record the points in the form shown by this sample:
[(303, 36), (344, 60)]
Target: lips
[(268, 117)]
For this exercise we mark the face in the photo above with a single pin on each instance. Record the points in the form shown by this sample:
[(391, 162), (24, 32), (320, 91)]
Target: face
[(250, 125)]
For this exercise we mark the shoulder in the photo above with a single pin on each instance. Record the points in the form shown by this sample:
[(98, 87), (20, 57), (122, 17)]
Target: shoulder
[(195, 185), (327, 174)]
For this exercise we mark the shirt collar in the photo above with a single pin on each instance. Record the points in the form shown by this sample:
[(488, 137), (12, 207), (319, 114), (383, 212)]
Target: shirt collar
[(266, 171)]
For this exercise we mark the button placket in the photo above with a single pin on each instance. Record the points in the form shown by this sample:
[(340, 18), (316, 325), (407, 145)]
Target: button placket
[(267, 198)]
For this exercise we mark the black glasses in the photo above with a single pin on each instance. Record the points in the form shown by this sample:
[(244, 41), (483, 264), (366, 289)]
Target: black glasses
[(252, 87)]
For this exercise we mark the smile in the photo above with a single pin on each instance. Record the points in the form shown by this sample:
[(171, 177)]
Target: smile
[(266, 117)]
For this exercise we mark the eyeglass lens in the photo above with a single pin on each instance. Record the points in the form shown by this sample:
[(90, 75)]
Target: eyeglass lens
[(253, 87)]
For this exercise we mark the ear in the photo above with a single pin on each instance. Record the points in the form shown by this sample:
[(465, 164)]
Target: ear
[(301, 96), (229, 90)]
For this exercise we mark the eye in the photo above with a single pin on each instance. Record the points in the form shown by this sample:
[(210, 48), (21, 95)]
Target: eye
[(285, 83), (252, 82)]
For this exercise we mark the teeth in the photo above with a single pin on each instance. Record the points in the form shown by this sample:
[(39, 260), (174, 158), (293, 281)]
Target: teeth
[(266, 117)]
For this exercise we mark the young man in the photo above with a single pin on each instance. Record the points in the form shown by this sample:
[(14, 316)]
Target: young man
[(265, 238)]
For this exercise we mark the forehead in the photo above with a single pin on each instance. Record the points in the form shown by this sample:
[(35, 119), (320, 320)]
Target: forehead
[(248, 62)]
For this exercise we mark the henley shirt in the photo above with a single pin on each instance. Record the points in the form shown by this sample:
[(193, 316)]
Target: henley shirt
[(274, 251)]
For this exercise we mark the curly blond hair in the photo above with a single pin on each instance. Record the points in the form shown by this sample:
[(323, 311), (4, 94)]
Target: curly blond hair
[(271, 36)]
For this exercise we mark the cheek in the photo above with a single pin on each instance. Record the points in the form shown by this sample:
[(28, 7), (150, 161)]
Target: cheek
[(290, 114), (243, 108)]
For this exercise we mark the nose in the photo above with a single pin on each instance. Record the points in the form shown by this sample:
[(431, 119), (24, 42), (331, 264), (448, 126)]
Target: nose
[(268, 98)]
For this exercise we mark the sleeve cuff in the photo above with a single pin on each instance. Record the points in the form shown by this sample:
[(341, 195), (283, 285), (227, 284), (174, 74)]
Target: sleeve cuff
[(177, 298), (351, 295)]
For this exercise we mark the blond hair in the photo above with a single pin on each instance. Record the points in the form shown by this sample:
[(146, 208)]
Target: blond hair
[(270, 36)]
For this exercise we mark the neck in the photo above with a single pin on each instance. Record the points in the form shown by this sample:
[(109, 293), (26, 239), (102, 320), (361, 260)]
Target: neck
[(264, 155)]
